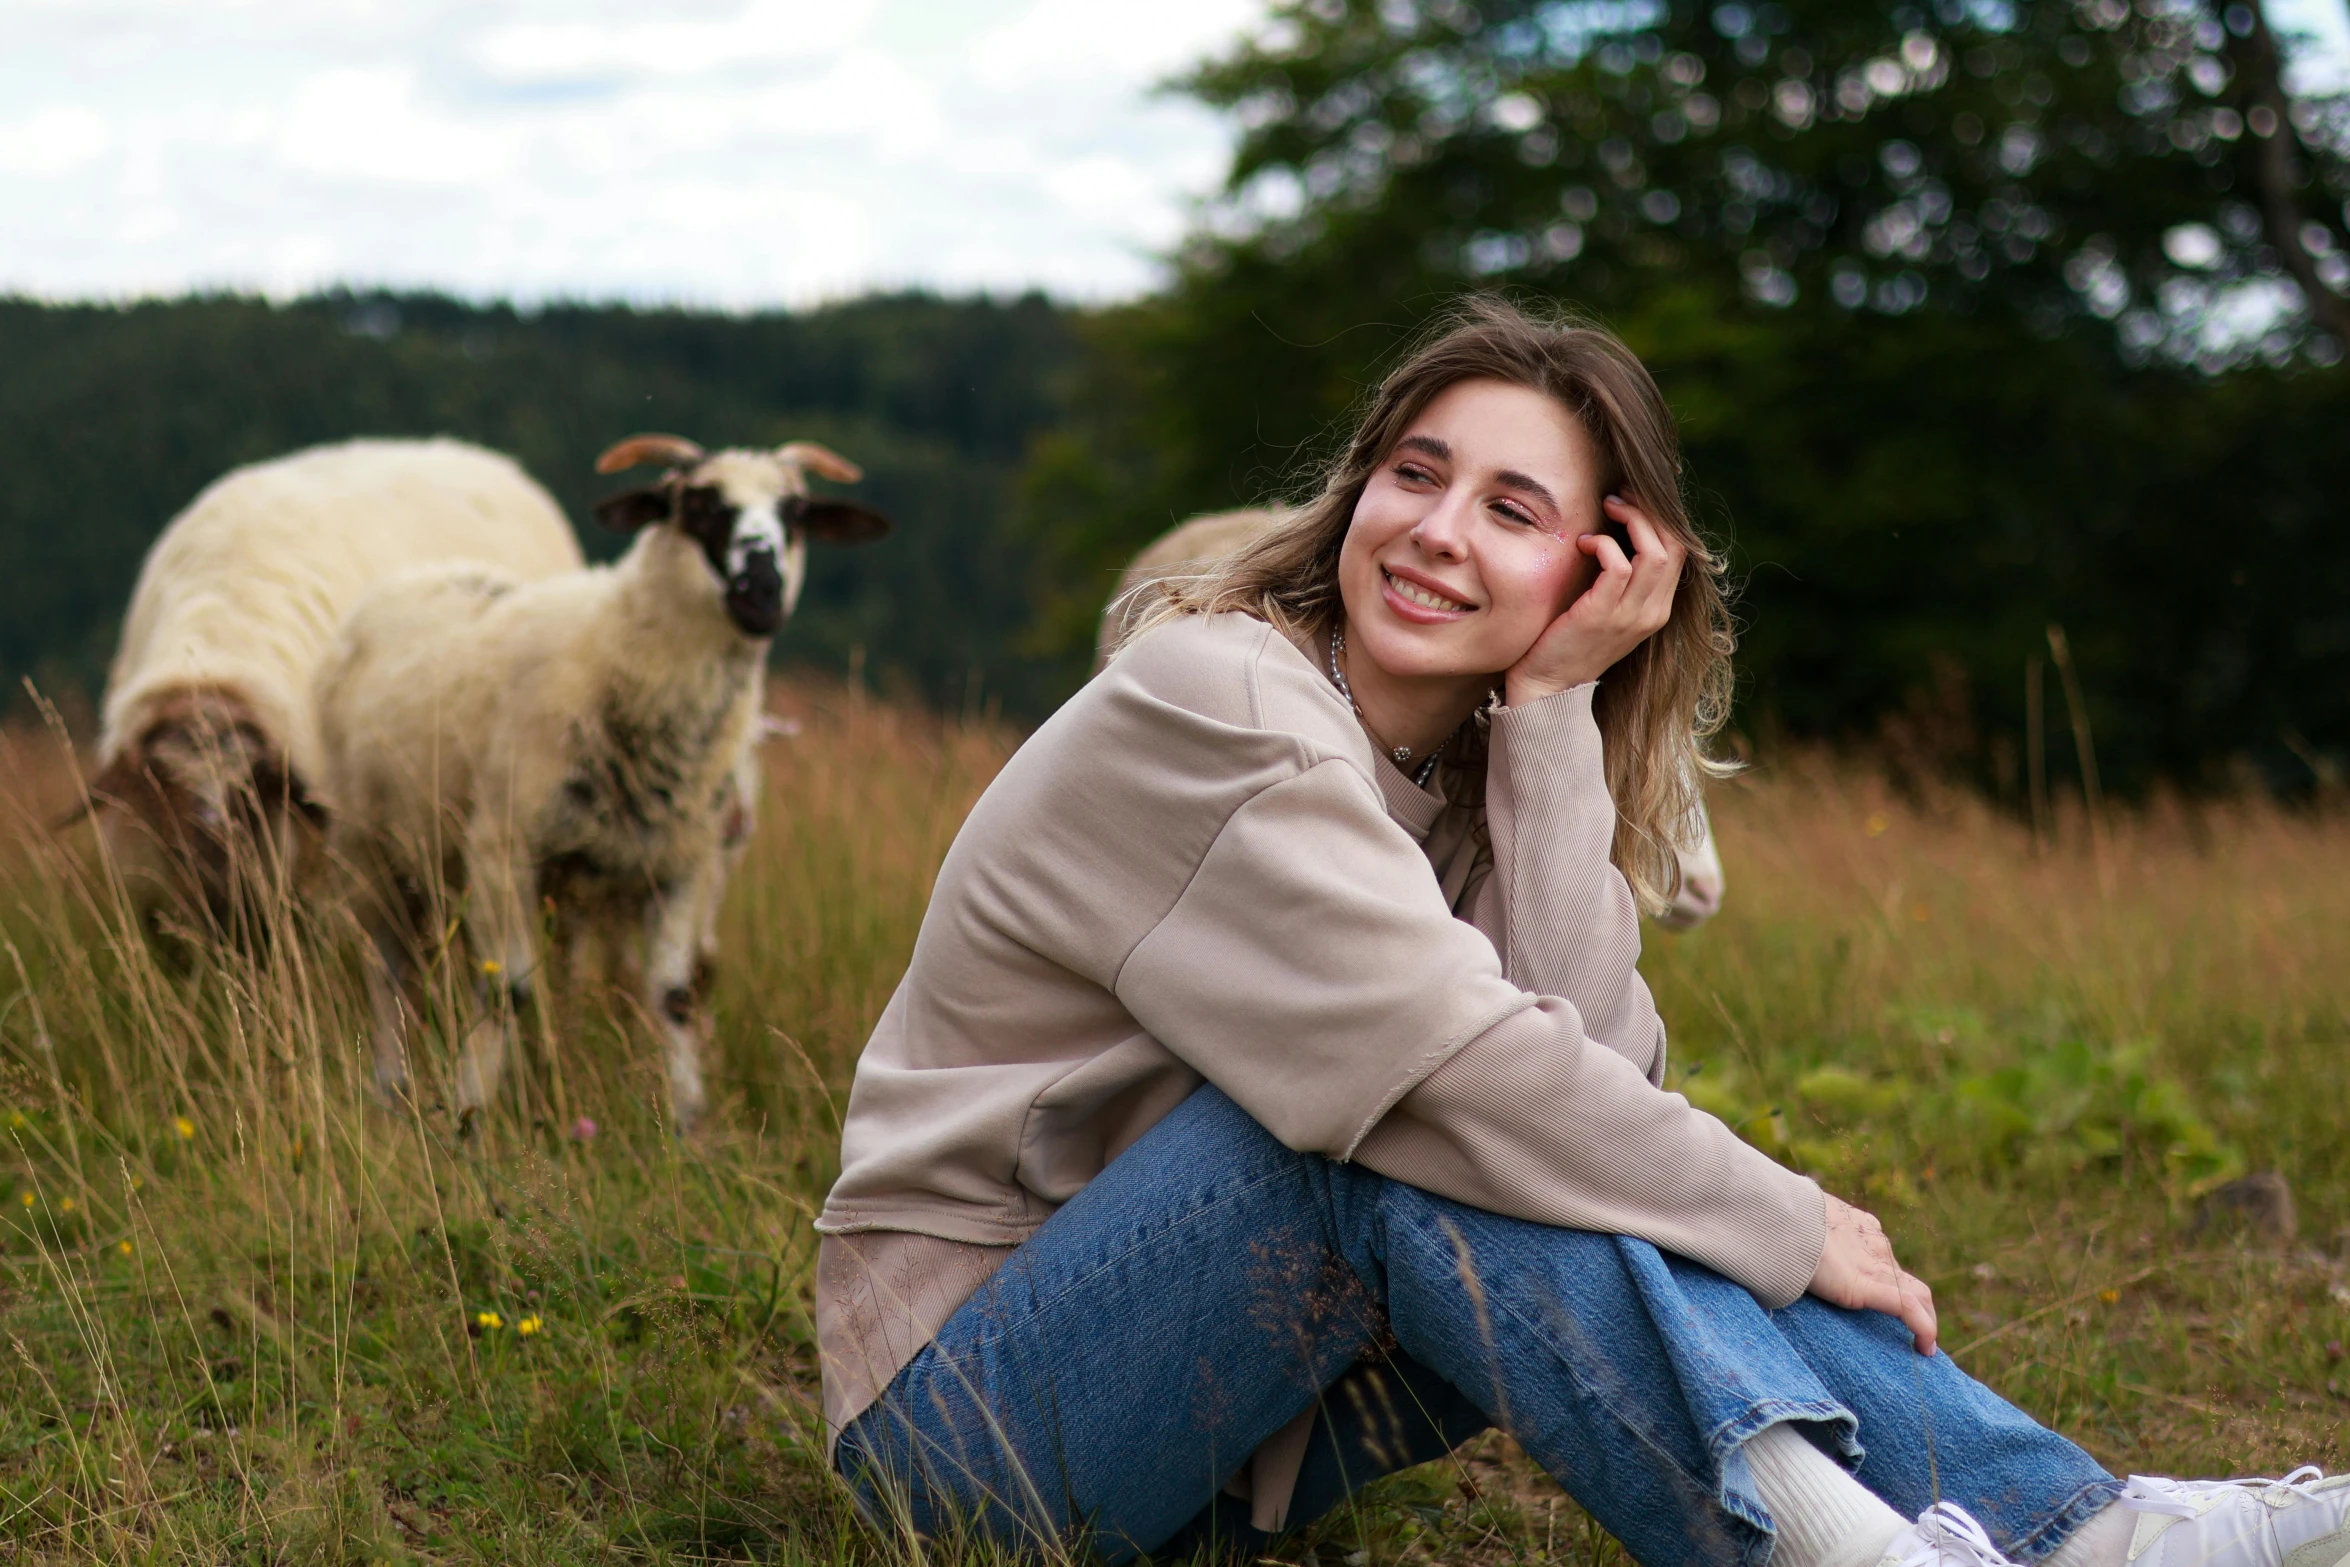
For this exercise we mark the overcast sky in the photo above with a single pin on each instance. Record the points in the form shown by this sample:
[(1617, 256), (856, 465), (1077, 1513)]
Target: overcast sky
[(728, 152), (732, 152)]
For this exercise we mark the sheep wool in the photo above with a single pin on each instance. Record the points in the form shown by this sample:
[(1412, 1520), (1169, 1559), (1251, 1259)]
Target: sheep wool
[(242, 593), (592, 732)]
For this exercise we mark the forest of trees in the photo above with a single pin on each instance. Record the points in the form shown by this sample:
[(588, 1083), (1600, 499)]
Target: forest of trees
[(1979, 315), (112, 419)]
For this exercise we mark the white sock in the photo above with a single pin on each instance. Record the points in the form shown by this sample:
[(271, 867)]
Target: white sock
[(2104, 1541), (1825, 1517)]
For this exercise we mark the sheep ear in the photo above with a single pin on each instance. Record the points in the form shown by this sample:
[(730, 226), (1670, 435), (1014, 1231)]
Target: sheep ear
[(837, 521), (633, 509), (821, 461)]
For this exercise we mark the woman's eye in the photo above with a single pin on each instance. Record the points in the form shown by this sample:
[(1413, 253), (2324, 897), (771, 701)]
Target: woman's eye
[(1413, 473), (1509, 513)]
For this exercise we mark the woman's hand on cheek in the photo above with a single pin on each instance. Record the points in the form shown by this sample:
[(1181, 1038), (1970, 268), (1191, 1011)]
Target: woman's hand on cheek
[(1857, 1272), (1628, 602)]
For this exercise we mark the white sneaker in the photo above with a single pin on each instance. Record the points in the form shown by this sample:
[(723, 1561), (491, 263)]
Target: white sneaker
[(1945, 1535), (2302, 1520)]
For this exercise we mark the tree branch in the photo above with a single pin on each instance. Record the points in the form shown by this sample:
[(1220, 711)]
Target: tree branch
[(2257, 59)]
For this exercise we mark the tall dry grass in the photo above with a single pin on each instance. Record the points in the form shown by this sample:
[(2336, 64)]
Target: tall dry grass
[(252, 1316), (255, 1316)]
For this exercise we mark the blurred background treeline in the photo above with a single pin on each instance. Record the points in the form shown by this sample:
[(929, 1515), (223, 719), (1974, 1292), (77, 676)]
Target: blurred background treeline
[(113, 419), (1979, 316)]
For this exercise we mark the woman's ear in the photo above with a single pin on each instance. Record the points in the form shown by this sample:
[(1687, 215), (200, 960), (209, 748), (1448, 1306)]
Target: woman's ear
[(631, 510)]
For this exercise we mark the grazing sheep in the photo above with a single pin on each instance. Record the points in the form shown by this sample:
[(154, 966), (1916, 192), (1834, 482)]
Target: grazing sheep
[(1194, 545), (589, 734), (209, 753)]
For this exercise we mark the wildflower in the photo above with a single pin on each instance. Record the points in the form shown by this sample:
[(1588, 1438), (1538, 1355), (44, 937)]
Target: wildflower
[(583, 1130), (66, 1206), (185, 1127), (492, 967), (26, 1198), (124, 1247), (529, 1325), (16, 1120), (488, 1319), (2108, 1297)]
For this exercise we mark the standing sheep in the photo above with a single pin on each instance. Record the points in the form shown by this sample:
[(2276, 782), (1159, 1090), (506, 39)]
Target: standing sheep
[(1202, 541), (592, 730), (209, 754)]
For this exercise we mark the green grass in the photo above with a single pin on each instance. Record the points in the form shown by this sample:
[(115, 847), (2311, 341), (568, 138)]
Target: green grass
[(250, 1317)]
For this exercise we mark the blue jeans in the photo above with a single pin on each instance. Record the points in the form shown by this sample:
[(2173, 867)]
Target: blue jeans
[(1210, 1285)]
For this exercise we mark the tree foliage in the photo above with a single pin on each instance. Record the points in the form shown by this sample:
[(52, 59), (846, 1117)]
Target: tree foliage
[(2053, 158), (1975, 318)]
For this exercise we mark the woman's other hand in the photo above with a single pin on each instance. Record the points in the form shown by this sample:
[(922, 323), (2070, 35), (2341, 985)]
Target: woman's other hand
[(1857, 1271), (1628, 602)]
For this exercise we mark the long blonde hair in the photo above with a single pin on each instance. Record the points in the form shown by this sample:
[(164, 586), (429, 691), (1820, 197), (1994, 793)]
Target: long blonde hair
[(1659, 703)]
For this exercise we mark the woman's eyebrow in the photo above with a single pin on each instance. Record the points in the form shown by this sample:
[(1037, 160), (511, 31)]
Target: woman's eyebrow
[(1527, 482), (1442, 451)]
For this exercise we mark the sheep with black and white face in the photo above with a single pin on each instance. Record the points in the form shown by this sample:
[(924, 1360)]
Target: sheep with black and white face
[(592, 731)]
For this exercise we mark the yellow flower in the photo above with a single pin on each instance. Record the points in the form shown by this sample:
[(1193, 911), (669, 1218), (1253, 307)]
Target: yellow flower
[(16, 1120), (528, 1325), (2108, 1297), (26, 1199), (66, 1206), (124, 1248), (185, 1127), (488, 1319), (492, 967)]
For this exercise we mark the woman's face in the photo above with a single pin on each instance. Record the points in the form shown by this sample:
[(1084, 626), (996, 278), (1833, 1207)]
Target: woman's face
[(1462, 549)]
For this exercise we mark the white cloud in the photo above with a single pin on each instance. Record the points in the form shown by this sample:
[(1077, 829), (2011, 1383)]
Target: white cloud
[(366, 124), (760, 32), (1062, 39), (729, 151), (2320, 34), (60, 139)]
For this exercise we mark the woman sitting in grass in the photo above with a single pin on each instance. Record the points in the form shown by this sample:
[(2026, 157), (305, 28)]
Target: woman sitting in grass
[(1272, 1101)]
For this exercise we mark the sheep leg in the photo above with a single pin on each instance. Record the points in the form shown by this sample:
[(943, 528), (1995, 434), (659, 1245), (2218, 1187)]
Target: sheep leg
[(501, 890), (674, 925)]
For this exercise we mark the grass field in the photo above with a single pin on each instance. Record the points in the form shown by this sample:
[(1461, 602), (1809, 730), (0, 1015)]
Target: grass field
[(249, 1317)]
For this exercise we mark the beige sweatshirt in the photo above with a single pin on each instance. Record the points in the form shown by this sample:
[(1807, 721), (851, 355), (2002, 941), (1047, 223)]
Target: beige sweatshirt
[(1199, 868)]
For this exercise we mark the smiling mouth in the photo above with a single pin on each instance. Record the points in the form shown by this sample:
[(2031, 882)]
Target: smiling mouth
[(1413, 593)]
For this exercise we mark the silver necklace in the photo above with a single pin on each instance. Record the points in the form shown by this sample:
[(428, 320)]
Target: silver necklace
[(1402, 753)]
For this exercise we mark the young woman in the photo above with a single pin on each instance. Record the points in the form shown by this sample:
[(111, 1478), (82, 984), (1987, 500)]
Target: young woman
[(1272, 1101)]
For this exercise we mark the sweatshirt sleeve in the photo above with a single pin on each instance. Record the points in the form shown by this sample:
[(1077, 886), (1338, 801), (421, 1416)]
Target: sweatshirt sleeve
[(1311, 970), (1515, 1123), (1553, 904)]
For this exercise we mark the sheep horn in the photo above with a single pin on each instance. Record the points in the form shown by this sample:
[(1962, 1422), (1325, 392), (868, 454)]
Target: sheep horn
[(675, 450), (820, 460)]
